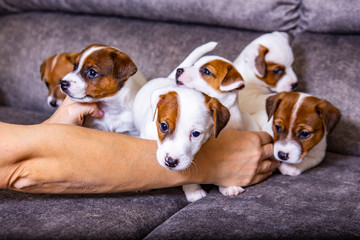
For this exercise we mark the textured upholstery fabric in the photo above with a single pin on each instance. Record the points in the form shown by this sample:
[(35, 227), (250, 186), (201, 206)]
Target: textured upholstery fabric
[(111, 216), (257, 15), (322, 203)]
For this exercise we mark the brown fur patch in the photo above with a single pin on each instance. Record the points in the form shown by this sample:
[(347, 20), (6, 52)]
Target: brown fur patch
[(168, 110), (219, 113), (270, 72), (222, 74)]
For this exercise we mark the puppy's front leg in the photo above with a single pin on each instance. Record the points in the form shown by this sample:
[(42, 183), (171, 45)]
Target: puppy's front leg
[(231, 191), (193, 192)]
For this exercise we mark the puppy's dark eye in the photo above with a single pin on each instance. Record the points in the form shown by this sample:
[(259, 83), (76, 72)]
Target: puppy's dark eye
[(195, 134), (304, 134), (277, 71), (164, 128), (47, 84), (75, 66), (206, 72), (278, 128), (92, 73)]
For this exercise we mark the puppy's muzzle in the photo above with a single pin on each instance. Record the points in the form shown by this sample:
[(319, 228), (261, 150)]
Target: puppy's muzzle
[(179, 72), (53, 103), (171, 162), (65, 85)]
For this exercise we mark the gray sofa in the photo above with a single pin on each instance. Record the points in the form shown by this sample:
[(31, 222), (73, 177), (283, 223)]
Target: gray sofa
[(322, 203)]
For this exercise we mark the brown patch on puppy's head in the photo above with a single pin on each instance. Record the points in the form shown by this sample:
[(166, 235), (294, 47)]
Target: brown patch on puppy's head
[(301, 118), (269, 72), (167, 108), (105, 70), (222, 76)]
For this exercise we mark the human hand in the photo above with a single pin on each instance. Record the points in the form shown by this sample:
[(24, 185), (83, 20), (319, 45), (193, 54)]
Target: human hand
[(235, 158), (74, 113)]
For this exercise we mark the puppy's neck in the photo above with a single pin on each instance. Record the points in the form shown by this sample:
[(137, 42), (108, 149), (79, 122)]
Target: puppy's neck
[(123, 99)]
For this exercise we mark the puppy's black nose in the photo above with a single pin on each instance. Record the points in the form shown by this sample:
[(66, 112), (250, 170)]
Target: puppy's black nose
[(179, 71), (64, 85), (53, 103), (171, 162), (294, 85), (283, 156)]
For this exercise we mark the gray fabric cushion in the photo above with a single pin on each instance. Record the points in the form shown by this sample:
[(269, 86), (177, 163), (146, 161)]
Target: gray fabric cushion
[(322, 203), (19, 116), (255, 15), (330, 16), (112, 216), (328, 67)]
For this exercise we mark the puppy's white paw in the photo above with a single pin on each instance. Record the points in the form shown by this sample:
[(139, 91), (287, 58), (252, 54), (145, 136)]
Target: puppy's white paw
[(231, 191), (195, 195), (290, 170)]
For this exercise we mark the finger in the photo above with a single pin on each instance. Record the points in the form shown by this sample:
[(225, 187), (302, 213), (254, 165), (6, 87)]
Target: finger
[(267, 166), (265, 138), (90, 109), (259, 178), (267, 151)]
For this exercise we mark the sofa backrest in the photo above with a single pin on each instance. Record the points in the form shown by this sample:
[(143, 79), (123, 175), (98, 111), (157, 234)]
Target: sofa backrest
[(259, 15)]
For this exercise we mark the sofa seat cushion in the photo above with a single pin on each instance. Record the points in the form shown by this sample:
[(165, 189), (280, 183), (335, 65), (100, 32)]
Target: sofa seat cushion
[(322, 203), (110, 216), (18, 116)]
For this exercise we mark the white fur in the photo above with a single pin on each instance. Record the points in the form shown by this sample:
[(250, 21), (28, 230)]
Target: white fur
[(253, 97), (117, 109)]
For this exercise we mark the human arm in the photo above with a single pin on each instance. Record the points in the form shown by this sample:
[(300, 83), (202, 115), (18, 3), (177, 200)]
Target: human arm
[(56, 158)]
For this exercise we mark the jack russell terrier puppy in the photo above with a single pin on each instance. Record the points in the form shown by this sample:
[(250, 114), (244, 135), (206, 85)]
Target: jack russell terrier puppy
[(217, 77), (181, 120), (109, 77), (299, 124), (266, 66), (52, 71)]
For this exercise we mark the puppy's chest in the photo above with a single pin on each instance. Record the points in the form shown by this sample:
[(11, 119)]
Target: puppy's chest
[(114, 121)]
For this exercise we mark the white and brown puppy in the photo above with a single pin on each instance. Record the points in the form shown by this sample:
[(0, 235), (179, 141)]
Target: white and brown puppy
[(300, 123), (52, 71), (218, 78), (266, 66), (109, 77), (181, 120)]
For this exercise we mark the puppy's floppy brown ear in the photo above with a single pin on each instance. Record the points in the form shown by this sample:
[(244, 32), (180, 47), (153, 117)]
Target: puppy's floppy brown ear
[(232, 80), (42, 70), (329, 114), (272, 104), (260, 63), (219, 113), (124, 67), (71, 57)]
